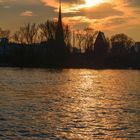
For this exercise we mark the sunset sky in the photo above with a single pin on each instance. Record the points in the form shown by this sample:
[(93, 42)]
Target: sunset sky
[(110, 16)]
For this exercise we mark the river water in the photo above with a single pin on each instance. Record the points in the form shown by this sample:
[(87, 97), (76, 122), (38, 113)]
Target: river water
[(69, 104)]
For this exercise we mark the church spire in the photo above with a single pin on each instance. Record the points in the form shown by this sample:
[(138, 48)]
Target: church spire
[(60, 15), (59, 31)]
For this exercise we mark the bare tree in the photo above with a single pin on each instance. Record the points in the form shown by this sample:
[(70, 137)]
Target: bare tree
[(48, 30), (121, 43), (29, 32), (67, 35), (18, 37), (26, 34), (79, 39), (4, 33), (89, 37), (85, 38)]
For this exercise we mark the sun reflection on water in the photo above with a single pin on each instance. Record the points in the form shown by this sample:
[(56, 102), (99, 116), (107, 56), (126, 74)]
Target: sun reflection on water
[(69, 104)]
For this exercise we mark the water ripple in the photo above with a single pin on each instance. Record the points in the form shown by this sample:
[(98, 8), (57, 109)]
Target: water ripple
[(69, 104)]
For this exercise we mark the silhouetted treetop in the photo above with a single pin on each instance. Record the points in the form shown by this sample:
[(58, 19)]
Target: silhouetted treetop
[(4, 33), (122, 40)]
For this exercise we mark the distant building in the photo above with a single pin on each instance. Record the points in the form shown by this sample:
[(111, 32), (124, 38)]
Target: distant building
[(4, 47), (100, 47), (137, 46), (59, 35), (60, 47)]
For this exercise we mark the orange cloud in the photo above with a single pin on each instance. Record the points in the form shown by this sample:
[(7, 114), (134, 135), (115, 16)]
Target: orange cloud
[(108, 15), (51, 3), (27, 13)]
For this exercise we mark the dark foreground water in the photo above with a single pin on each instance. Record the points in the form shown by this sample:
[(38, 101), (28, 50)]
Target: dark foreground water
[(39, 104)]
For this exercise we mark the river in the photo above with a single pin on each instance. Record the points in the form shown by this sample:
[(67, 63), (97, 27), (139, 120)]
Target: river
[(69, 104)]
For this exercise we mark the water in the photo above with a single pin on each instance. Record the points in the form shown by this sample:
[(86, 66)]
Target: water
[(40, 104)]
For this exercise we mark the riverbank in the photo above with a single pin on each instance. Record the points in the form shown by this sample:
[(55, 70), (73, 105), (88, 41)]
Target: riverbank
[(71, 66)]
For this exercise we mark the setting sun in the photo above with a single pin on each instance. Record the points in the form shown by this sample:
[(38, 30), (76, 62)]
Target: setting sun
[(92, 2)]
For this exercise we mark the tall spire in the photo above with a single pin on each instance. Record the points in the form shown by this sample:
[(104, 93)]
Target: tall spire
[(60, 15), (59, 31)]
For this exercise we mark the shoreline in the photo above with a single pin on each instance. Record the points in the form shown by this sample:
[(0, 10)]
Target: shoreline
[(69, 67)]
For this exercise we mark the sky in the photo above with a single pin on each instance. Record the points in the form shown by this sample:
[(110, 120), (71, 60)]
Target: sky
[(109, 16)]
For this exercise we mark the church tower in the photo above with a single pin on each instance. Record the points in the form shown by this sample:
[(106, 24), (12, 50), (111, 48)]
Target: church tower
[(59, 35), (101, 47)]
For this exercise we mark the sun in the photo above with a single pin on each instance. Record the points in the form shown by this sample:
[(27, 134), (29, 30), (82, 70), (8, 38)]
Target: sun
[(90, 3)]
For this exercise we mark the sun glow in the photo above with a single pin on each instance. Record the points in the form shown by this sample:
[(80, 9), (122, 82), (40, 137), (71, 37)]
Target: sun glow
[(90, 3)]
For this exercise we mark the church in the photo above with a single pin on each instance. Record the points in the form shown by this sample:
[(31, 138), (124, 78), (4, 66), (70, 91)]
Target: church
[(60, 44), (101, 47)]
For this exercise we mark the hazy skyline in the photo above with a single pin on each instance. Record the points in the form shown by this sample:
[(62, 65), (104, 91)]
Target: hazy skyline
[(110, 16)]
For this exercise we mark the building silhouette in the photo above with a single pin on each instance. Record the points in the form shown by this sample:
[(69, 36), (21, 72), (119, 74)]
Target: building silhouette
[(100, 48), (59, 35), (137, 46), (4, 47), (61, 50)]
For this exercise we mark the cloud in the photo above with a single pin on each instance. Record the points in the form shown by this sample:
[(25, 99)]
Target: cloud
[(54, 3), (68, 6), (7, 1), (7, 6), (27, 13), (102, 10), (134, 3), (108, 15), (78, 8), (51, 3)]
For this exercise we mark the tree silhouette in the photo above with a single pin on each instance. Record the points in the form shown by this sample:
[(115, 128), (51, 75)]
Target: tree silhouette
[(4, 33), (67, 35), (48, 30), (36, 45), (121, 43), (18, 37), (26, 34), (89, 38)]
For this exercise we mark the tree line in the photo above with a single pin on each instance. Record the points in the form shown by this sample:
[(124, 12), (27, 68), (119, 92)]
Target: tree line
[(120, 52)]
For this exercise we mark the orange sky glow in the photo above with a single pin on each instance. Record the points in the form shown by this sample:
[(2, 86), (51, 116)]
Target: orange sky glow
[(110, 16)]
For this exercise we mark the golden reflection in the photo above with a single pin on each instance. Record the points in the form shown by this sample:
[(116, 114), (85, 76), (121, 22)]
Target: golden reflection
[(86, 79), (71, 104)]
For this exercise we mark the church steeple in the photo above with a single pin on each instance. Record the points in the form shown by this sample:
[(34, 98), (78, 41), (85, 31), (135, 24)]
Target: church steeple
[(60, 15), (59, 31)]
